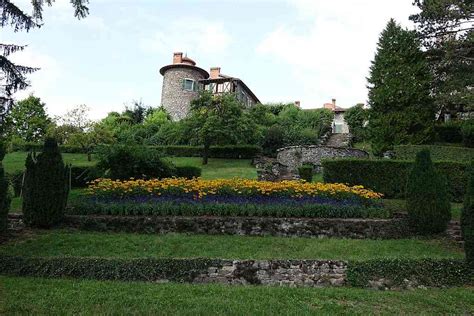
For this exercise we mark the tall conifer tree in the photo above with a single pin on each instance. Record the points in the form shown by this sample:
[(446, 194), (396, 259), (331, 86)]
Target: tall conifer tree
[(401, 109)]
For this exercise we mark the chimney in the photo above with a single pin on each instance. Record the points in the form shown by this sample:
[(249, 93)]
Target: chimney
[(177, 58), (298, 104), (334, 103), (215, 72)]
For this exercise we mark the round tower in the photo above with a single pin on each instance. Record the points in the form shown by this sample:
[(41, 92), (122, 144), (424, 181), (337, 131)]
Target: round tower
[(180, 85)]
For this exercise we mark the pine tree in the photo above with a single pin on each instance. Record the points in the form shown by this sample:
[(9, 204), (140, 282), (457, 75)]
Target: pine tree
[(428, 206), (401, 109), (46, 187), (467, 219), (13, 76)]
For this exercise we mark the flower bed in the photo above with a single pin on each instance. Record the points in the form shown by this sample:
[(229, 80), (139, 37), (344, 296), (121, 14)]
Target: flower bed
[(222, 197)]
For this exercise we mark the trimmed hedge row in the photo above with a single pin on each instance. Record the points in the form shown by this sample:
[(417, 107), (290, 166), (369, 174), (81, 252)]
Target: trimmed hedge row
[(176, 270), (228, 152), (389, 177), (394, 272), (427, 272), (438, 153), (165, 208)]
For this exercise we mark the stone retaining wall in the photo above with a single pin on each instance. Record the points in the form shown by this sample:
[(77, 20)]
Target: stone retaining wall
[(311, 273), (252, 226)]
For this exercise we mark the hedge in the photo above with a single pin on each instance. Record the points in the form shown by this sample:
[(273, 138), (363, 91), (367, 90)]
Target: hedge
[(176, 270), (188, 172), (229, 152), (449, 132), (171, 208), (389, 177), (427, 272), (438, 153)]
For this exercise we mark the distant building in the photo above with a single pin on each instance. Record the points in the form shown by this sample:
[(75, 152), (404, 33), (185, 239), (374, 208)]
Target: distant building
[(339, 125), (183, 80)]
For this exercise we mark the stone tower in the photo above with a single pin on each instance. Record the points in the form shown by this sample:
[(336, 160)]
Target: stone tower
[(180, 85)]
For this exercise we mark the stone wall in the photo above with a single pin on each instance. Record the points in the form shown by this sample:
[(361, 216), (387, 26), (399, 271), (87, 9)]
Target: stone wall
[(310, 273), (174, 99), (295, 156), (251, 226)]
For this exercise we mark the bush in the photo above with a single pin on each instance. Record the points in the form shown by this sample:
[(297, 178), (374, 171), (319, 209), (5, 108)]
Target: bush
[(438, 153), (228, 152), (4, 201), (449, 132), (125, 161), (306, 172), (467, 131), (467, 219), (273, 140), (389, 177), (175, 270), (45, 187), (427, 272), (429, 210), (188, 172)]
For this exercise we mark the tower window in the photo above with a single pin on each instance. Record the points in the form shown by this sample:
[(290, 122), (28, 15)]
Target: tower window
[(189, 84)]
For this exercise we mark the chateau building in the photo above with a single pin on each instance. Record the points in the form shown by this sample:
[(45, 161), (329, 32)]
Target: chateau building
[(183, 80)]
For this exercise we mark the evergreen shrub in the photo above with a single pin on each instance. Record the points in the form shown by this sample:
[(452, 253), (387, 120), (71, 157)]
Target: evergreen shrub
[(5, 198), (389, 177), (306, 172), (467, 131), (429, 210), (467, 219), (123, 162), (46, 187), (449, 132)]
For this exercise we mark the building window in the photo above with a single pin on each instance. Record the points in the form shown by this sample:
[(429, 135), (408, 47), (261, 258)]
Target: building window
[(189, 84)]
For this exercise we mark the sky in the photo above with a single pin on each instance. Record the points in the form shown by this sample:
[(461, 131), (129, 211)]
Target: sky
[(284, 50)]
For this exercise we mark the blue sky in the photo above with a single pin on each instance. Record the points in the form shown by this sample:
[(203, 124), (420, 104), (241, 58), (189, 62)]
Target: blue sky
[(289, 50)]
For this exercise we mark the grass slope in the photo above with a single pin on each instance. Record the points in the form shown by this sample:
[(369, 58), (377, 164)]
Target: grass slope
[(16, 161), (45, 296), (122, 245)]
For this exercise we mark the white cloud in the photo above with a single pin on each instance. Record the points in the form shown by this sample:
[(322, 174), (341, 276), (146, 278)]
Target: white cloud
[(191, 34), (330, 46)]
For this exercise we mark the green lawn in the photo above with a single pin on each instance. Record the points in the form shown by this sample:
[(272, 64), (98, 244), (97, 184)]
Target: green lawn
[(16, 161), (219, 168), (121, 245), (15, 207), (84, 297)]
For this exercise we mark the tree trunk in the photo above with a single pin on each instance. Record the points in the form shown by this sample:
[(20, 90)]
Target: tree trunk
[(205, 153), (89, 156)]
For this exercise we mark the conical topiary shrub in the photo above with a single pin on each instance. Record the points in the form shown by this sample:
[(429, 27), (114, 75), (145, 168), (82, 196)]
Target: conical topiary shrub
[(467, 219), (4, 196), (429, 210), (45, 188)]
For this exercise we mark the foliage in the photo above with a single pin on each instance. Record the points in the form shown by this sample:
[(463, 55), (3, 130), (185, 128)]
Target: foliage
[(5, 200), (426, 272), (357, 117), (467, 131), (28, 120), (389, 177), (446, 28), (273, 140), (449, 132), (77, 117), (438, 153), (45, 187), (188, 172), (227, 206), (90, 139), (129, 161), (401, 109), (219, 120), (15, 75), (467, 219), (306, 173), (16, 181), (429, 210), (177, 270)]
